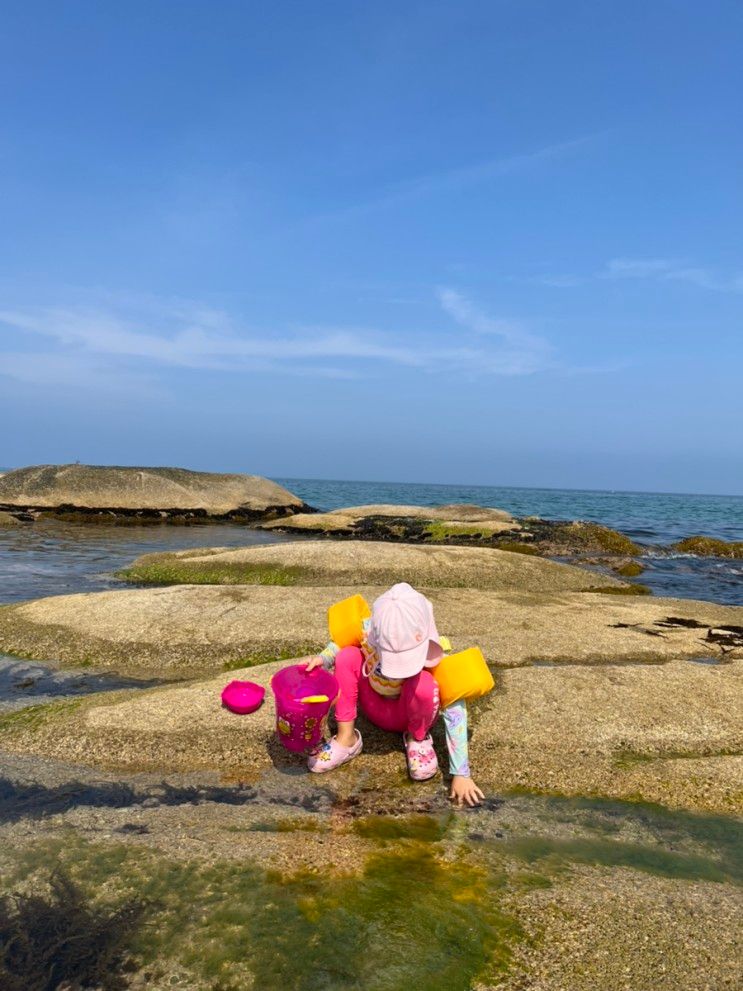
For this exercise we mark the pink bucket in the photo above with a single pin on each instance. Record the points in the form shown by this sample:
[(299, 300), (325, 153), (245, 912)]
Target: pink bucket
[(300, 725)]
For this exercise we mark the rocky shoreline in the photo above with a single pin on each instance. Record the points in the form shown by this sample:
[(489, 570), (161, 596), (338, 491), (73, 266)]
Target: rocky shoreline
[(607, 853), (119, 496)]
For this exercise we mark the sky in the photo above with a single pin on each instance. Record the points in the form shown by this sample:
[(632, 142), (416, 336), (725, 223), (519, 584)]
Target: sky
[(470, 242)]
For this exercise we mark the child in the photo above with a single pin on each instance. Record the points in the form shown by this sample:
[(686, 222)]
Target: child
[(389, 677)]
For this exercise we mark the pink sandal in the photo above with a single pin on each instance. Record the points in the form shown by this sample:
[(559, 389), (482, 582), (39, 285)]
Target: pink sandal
[(331, 754), (422, 761)]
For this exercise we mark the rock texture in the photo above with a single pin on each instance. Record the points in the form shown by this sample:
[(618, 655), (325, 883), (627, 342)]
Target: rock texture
[(184, 630), (465, 525), (664, 733), (400, 522), (170, 491), (314, 562)]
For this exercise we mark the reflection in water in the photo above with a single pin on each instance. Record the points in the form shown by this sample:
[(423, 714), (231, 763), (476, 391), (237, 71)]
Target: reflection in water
[(52, 558)]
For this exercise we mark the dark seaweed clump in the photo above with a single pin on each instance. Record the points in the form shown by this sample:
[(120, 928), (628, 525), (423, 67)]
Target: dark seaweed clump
[(60, 939)]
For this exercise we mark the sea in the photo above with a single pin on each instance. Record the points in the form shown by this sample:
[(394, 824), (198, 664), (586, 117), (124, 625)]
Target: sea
[(50, 558)]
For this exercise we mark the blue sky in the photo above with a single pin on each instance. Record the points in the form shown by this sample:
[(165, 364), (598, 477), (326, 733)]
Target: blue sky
[(492, 242)]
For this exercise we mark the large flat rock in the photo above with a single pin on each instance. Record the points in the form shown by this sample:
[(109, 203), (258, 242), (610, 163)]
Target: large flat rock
[(93, 487), (456, 514), (318, 562), (664, 733), (183, 630)]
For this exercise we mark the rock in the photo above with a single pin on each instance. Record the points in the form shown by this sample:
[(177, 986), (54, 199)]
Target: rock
[(453, 512), (662, 733), (670, 733), (7, 520), (186, 630), (710, 547), (123, 490), (315, 562), (463, 525), (624, 930), (422, 524)]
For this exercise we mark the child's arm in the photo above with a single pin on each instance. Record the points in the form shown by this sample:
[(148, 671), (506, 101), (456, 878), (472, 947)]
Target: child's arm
[(326, 658), (463, 788)]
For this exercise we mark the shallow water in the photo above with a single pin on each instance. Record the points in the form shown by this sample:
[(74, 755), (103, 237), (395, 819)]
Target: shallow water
[(217, 922), (53, 558), (25, 683)]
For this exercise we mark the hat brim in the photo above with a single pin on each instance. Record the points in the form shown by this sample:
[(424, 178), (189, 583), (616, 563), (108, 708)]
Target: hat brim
[(408, 663)]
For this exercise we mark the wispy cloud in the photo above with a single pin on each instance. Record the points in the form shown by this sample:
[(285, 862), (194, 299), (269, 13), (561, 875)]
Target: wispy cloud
[(672, 270), (451, 180), (649, 269), (512, 350), (64, 346)]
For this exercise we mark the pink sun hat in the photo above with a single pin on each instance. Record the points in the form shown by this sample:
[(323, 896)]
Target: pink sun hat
[(403, 632)]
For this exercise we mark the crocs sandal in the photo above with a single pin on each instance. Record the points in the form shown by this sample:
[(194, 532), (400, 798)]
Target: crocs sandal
[(422, 761), (331, 754)]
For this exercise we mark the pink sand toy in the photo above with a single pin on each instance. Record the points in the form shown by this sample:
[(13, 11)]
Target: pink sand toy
[(243, 697), (303, 701)]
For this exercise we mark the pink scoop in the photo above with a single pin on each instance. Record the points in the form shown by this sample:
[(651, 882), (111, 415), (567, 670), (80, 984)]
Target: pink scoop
[(243, 697), (299, 723)]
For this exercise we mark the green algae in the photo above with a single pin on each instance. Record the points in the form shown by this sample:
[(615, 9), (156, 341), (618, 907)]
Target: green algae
[(438, 531), (516, 547), (424, 828), (630, 570), (625, 757), (709, 547), (629, 588), (167, 569), (296, 650), (405, 919), (706, 846), (557, 854), (33, 717)]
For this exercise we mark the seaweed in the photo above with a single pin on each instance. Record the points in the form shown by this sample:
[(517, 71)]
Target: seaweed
[(62, 939)]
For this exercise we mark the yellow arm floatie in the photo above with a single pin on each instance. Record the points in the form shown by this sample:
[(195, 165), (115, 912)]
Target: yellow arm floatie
[(464, 675), (345, 619)]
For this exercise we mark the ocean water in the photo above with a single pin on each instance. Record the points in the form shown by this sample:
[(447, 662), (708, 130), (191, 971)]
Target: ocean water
[(53, 558), (647, 517), (654, 520)]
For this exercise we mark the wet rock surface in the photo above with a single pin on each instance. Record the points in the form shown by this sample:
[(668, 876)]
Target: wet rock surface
[(607, 852), (26, 683), (558, 892)]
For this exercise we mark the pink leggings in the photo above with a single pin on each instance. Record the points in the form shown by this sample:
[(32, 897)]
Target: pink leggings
[(413, 712)]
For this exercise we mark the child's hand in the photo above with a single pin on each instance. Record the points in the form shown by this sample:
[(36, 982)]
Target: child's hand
[(464, 790), (313, 662)]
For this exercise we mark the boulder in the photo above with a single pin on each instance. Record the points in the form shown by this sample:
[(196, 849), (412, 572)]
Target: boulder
[(464, 525), (390, 522), (317, 562), (169, 491), (7, 520)]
